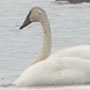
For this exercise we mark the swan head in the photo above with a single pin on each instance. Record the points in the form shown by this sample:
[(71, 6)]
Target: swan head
[(36, 14)]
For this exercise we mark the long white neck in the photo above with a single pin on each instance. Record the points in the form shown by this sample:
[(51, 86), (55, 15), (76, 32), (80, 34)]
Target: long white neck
[(46, 49)]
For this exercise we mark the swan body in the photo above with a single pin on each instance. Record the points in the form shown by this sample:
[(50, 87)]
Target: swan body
[(65, 67), (56, 71)]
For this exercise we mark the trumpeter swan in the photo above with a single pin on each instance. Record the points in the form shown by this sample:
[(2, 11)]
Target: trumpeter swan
[(68, 66)]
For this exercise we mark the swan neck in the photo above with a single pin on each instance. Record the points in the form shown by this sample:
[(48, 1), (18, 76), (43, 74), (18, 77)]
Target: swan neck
[(46, 49)]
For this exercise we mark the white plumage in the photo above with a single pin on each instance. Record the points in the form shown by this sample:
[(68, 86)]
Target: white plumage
[(65, 67)]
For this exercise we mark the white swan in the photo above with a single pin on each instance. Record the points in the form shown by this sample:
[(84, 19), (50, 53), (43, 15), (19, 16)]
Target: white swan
[(68, 66)]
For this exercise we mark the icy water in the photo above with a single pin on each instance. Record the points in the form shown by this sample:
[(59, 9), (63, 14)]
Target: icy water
[(70, 26)]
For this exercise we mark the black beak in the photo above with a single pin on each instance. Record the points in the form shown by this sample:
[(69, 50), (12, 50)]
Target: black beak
[(26, 22)]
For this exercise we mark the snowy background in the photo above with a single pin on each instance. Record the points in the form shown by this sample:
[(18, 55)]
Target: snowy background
[(70, 26)]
